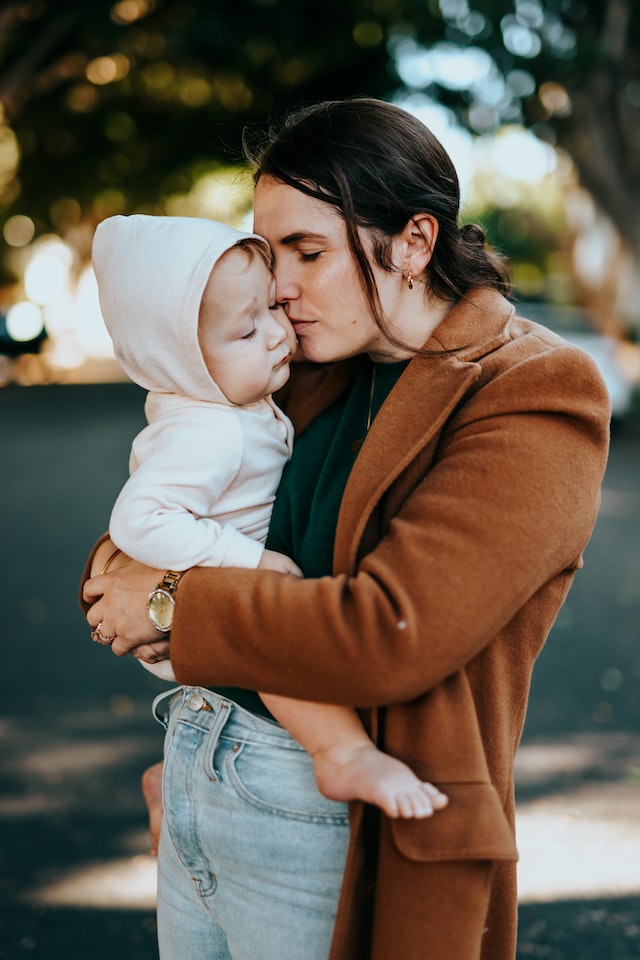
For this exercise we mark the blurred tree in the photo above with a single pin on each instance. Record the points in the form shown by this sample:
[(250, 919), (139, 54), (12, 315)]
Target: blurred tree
[(126, 102), (567, 69), (117, 104)]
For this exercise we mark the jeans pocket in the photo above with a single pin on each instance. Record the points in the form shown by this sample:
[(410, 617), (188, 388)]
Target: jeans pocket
[(280, 781)]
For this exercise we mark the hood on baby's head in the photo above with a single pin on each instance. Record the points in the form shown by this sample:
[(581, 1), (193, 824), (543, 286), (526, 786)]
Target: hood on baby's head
[(151, 273)]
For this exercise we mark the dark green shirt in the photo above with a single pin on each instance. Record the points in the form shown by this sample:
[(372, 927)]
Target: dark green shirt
[(305, 513)]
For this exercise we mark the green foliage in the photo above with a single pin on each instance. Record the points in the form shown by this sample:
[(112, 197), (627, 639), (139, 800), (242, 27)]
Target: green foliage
[(535, 246), (101, 102), (113, 105)]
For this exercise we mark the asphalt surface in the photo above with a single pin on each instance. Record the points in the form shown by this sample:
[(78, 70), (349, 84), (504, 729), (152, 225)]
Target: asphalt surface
[(75, 729)]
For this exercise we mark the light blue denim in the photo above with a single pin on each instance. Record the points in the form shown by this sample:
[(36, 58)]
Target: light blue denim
[(251, 854)]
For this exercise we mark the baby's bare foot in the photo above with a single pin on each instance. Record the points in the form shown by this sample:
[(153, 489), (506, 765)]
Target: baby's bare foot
[(365, 773)]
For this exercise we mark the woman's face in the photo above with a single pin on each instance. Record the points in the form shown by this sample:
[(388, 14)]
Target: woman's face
[(316, 277)]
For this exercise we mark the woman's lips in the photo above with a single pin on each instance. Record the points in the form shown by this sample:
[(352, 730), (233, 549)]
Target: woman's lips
[(301, 325)]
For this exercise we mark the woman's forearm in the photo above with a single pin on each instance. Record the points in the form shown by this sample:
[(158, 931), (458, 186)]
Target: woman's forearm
[(501, 518)]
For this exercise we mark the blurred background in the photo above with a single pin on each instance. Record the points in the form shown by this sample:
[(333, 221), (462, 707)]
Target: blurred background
[(140, 106)]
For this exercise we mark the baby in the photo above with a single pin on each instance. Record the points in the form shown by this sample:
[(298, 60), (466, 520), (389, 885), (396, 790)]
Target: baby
[(190, 306)]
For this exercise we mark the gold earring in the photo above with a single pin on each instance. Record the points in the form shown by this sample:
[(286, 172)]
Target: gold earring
[(410, 280)]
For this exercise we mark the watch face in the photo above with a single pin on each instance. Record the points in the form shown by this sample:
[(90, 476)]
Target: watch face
[(161, 610)]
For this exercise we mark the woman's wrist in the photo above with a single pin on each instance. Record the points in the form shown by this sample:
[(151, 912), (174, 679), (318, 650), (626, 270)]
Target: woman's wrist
[(161, 601)]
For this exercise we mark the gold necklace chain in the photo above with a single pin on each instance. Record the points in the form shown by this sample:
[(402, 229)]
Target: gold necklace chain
[(355, 446)]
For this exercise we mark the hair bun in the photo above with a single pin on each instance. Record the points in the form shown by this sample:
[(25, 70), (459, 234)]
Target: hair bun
[(473, 233)]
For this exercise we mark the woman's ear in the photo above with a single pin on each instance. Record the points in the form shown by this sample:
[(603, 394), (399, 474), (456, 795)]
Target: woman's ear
[(416, 242)]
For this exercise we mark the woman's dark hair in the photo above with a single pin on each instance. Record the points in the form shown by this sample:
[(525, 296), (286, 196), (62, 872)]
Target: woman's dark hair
[(379, 166)]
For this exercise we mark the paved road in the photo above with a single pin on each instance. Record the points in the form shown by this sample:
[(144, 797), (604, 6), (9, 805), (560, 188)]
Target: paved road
[(75, 880)]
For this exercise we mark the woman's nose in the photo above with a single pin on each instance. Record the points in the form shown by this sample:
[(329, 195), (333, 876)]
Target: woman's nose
[(286, 289)]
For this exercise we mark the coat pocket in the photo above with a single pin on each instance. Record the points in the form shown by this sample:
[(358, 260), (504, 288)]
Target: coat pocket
[(473, 826)]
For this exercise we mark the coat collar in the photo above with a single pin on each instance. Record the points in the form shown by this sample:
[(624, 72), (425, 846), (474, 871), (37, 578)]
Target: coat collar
[(423, 399), (475, 326)]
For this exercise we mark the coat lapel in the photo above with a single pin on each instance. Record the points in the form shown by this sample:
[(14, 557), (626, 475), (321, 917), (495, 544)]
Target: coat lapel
[(423, 399)]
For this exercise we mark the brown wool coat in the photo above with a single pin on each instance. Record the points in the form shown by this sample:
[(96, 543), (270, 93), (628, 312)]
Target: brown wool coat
[(462, 525)]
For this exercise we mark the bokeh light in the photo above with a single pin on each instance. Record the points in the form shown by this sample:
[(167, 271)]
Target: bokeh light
[(19, 230), (102, 70), (128, 11), (47, 274), (24, 321)]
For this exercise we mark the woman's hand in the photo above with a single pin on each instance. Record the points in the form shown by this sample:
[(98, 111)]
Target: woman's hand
[(119, 605)]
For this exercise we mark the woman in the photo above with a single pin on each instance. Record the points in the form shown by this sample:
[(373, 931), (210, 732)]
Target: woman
[(444, 483)]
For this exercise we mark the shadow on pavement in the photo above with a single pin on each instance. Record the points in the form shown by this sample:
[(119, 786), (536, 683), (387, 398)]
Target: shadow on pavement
[(51, 934), (581, 930), (571, 930)]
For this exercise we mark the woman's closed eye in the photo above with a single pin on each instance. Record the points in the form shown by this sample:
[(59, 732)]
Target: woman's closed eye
[(249, 334), (309, 257)]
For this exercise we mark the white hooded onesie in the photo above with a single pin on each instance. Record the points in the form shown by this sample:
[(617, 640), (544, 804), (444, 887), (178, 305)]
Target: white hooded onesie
[(204, 472)]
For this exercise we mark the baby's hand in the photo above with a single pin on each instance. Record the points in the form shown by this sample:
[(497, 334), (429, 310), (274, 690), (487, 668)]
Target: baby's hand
[(271, 560)]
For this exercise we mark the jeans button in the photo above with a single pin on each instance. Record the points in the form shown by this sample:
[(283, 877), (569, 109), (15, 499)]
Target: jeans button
[(196, 702)]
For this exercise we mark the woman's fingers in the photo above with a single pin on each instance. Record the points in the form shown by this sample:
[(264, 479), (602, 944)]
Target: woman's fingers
[(152, 652), (118, 601), (94, 615), (94, 587)]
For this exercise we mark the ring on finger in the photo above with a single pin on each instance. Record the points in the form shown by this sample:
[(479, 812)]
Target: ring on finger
[(98, 637)]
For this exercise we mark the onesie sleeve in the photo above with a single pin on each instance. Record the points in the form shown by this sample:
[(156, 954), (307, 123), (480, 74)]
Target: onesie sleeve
[(164, 515)]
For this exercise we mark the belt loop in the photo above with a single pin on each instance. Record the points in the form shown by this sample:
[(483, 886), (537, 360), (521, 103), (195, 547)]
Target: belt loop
[(163, 718)]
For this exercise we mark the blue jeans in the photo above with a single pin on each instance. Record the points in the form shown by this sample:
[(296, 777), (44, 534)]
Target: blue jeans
[(251, 855)]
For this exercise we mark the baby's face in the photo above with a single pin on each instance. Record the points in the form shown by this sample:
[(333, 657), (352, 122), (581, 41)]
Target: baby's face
[(246, 339)]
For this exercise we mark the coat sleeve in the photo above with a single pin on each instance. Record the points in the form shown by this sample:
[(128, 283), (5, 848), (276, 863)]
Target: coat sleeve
[(164, 515), (503, 511)]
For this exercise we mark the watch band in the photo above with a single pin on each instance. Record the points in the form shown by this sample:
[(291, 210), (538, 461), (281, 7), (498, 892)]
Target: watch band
[(170, 581)]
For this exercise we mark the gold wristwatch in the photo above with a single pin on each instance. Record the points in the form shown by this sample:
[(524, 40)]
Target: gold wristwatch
[(161, 601)]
